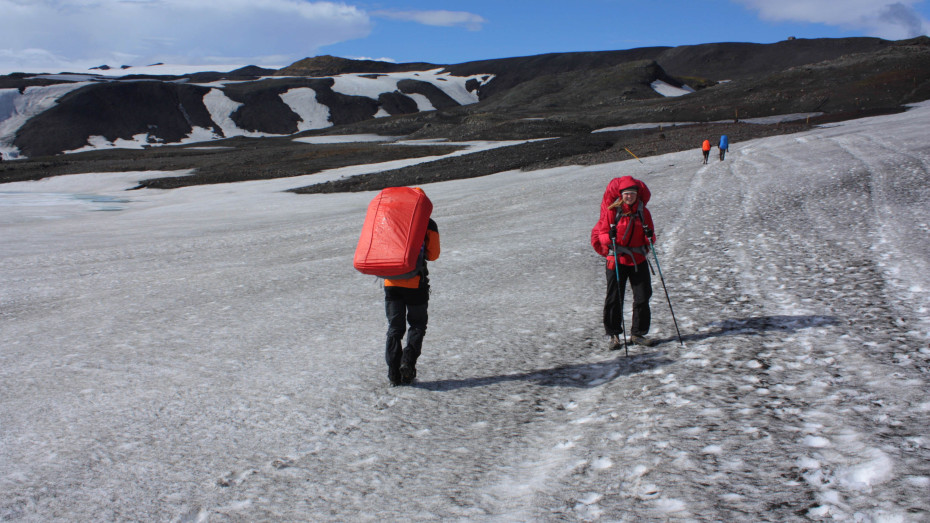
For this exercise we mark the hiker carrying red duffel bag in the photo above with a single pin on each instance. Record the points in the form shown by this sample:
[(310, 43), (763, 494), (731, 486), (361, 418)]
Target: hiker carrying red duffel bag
[(621, 235), (397, 239)]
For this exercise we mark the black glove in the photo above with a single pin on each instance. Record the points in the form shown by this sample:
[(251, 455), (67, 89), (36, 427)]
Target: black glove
[(612, 233), (648, 231)]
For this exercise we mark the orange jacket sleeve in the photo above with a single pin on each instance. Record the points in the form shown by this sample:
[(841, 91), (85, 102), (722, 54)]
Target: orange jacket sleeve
[(432, 242)]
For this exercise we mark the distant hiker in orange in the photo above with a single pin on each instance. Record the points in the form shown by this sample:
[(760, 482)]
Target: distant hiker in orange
[(705, 148), (406, 301)]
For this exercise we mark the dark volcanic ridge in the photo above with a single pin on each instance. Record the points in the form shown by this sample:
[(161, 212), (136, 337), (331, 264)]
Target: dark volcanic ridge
[(561, 97)]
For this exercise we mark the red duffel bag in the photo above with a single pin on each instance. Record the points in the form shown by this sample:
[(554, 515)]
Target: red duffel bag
[(393, 233)]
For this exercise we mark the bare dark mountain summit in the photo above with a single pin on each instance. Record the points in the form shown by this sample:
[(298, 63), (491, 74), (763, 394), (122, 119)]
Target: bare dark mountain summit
[(327, 65)]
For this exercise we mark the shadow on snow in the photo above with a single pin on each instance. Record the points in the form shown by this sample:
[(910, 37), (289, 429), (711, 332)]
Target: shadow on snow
[(582, 376), (756, 325)]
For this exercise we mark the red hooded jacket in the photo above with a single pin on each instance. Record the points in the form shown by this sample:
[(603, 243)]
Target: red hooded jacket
[(630, 235)]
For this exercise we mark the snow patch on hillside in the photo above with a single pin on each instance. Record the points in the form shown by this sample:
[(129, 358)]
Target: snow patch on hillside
[(160, 69), (779, 118), (667, 89), (221, 108), (17, 108), (345, 138), (143, 140), (313, 114), (373, 86)]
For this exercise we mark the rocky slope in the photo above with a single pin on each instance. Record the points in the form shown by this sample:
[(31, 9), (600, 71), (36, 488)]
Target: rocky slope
[(562, 96)]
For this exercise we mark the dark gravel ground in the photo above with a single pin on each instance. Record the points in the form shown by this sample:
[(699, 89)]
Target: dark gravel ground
[(242, 159), (224, 161), (578, 149)]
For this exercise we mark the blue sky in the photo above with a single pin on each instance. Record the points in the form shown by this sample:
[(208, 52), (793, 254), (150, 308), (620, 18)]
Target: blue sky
[(57, 35), (521, 27)]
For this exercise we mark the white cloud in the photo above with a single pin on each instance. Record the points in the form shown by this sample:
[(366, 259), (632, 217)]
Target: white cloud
[(881, 18), (372, 58), (470, 21), (185, 31), (899, 18)]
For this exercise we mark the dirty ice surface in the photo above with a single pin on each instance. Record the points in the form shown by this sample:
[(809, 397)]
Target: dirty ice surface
[(209, 353)]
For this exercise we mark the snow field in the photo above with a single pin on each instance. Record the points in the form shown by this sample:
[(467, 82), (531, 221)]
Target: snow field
[(209, 352)]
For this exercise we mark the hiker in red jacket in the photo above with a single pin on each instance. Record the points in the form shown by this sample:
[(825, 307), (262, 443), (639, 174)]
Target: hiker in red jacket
[(705, 148), (626, 223), (406, 301)]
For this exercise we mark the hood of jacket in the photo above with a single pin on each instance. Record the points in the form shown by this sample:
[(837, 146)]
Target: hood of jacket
[(617, 185)]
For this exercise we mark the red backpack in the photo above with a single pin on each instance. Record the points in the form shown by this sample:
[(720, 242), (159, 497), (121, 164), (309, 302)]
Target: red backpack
[(392, 236)]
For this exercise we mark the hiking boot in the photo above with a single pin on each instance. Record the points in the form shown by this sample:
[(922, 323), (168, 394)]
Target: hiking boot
[(613, 343), (394, 377), (407, 373), (642, 340)]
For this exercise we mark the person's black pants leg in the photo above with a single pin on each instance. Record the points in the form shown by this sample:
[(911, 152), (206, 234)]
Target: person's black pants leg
[(641, 285), (613, 303), (396, 311), (417, 317)]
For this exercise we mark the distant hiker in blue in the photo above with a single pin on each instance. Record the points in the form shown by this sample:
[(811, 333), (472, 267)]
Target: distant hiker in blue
[(724, 145)]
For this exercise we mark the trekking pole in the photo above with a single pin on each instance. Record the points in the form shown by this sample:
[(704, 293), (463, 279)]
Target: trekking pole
[(613, 240), (652, 247)]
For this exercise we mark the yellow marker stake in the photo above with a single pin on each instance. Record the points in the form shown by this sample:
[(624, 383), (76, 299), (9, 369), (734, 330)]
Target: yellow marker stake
[(634, 156)]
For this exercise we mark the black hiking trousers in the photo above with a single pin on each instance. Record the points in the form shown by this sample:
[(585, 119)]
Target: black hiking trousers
[(641, 285), (404, 306)]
